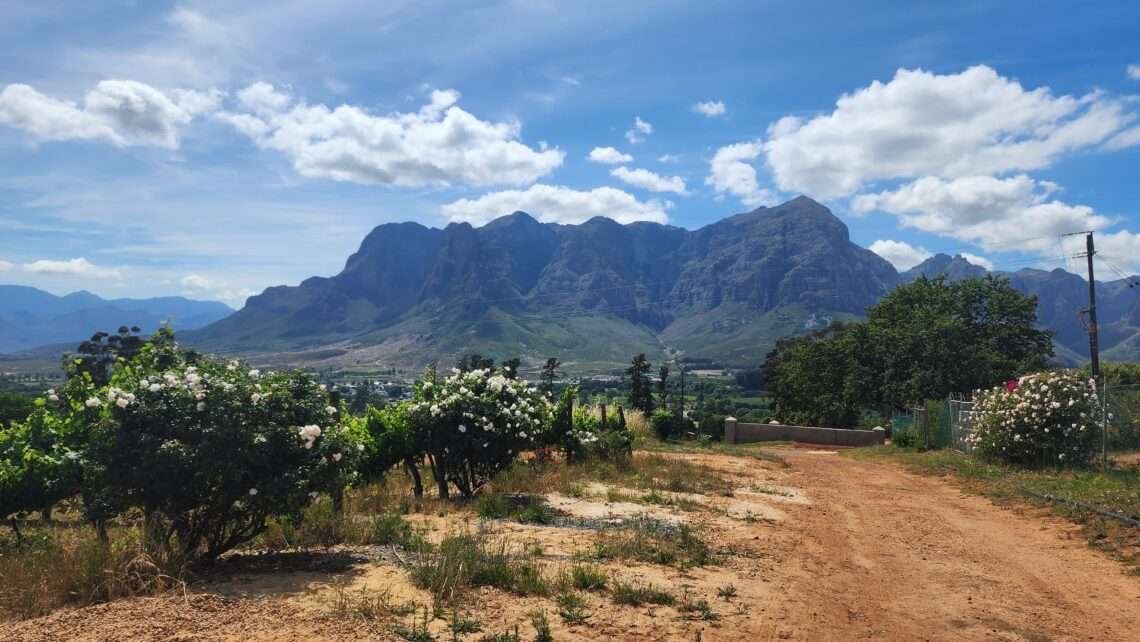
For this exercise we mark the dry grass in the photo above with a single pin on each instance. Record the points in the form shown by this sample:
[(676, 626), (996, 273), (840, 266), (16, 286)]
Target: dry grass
[(62, 565)]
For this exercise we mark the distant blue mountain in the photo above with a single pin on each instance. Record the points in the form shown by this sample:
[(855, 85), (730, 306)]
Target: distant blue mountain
[(30, 317)]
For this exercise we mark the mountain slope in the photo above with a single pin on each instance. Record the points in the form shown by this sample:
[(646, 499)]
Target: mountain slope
[(596, 292), (1060, 295), (30, 317)]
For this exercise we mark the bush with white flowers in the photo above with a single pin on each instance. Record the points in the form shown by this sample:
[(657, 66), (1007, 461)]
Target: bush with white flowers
[(474, 424), (1043, 418), (208, 449)]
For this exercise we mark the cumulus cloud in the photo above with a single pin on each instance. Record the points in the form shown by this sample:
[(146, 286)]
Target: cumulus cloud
[(609, 156), (980, 261), (997, 213), (731, 172), (669, 159), (900, 254), (196, 285), (556, 204), (439, 145), (651, 181), (123, 112), (924, 124), (72, 267), (1134, 72), (6, 265), (638, 131), (710, 108)]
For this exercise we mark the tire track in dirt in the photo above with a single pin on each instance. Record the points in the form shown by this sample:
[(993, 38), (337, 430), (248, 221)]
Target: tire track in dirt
[(888, 555)]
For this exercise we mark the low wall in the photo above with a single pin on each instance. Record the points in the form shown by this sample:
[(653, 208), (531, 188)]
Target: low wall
[(738, 433)]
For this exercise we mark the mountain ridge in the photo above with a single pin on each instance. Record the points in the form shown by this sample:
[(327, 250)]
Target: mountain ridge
[(31, 318), (599, 291)]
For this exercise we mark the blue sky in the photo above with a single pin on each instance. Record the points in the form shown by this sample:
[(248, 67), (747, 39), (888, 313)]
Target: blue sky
[(192, 148)]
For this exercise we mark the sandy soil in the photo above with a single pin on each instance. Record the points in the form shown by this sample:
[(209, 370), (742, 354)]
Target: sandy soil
[(826, 549)]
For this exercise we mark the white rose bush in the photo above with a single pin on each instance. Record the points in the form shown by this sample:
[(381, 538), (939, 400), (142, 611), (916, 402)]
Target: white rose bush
[(474, 424), (205, 449), (1044, 418)]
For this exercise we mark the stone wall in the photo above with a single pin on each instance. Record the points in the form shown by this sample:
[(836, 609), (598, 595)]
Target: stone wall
[(739, 433)]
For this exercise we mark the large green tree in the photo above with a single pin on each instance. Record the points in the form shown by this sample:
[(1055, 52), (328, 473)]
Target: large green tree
[(640, 390), (924, 340)]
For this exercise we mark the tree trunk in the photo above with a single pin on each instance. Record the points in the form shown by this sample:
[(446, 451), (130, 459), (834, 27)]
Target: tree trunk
[(418, 487)]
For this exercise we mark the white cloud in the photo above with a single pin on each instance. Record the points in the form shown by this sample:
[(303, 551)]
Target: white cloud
[(6, 265), (572, 81), (999, 214), (1126, 138), (556, 204), (198, 286), (1134, 72), (646, 179), (195, 282), (980, 261), (710, 108), (124, 112), (730, 172), (439, 145), (669, 159), (924, 124), (900, 254), (609, 156), (72, 267), (639, 131)]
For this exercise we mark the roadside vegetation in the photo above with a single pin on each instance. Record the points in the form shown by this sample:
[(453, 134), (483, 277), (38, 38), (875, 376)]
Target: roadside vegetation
[(153, 468)]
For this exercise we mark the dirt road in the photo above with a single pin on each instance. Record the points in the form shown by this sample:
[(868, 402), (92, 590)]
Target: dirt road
[(887, 555)]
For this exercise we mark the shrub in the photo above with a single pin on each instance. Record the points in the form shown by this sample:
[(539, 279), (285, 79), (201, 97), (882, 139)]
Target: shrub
[(665, 424), (208, 449), (1048, 417), (474, 424)]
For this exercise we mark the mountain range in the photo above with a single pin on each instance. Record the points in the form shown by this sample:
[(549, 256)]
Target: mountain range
[(30, 317), (593, 294)]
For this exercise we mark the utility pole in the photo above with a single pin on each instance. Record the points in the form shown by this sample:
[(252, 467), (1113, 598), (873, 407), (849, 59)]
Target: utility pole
[(682, 366), (1094, 349)]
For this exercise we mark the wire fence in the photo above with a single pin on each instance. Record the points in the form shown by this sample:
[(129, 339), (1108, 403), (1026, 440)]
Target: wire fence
[(949, 423)]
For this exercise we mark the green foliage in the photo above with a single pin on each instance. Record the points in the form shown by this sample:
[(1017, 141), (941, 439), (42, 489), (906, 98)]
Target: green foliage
[(209, 449), (549, 374), (640, 390), (1046, 418), (666, 425), (473, 424), (97, 356), (924, 340), (14, 407)]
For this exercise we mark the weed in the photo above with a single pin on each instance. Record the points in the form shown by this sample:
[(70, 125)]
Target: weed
[(368, 605), (649, 540), (460, 625), (698, 610), (502, 637), (468, 560), (587, 577), (726, 592), (572, 608), (638, 594), (541, 626), (418, 632)]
